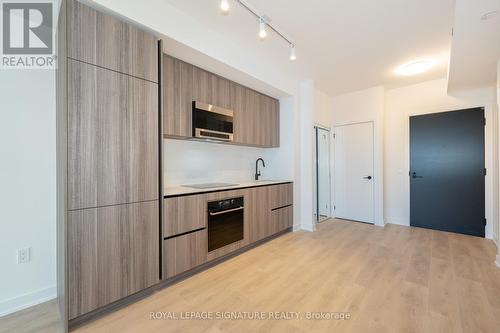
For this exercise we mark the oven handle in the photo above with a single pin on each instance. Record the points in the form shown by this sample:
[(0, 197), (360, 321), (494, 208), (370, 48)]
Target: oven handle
[(226, 211)]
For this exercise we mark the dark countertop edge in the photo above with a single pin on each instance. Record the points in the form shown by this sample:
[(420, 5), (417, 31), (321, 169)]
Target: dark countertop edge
[(223, 190)]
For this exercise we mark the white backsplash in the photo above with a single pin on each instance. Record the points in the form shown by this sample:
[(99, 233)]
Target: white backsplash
[(193, 162)]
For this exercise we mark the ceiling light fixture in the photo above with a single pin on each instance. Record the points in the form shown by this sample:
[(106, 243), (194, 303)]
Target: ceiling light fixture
[(293, 55), (262, 29), (224, 6), (416, 67), (264, 22), (489, 15)]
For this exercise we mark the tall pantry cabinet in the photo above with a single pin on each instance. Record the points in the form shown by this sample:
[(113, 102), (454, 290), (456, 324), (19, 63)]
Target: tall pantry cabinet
[(108, 140)]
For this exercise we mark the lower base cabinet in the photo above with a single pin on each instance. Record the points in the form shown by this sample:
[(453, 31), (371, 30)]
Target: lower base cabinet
[(185, 252), (110, 254), (268, 210)]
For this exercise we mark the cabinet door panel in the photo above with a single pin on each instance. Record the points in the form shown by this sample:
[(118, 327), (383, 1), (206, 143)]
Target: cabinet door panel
[(260, 213), (103, 40), (113, 137), (275, 123), (242, 115), (177, 97), (183, 214), (113, 252), (223, 93), (204, 85), (185, 252)]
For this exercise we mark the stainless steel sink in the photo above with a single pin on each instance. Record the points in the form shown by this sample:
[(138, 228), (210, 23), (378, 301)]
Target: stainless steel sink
[(210, 185)]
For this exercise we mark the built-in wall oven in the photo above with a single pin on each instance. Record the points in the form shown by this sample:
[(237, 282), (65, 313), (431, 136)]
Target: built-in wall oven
[(225, 222), (212, 122)]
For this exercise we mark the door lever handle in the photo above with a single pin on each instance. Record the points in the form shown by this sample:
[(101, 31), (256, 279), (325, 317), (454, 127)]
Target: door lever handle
[(368, 177), (414, 175)]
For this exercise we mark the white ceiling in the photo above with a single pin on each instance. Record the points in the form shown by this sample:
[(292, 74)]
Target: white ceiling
[(342, 45), (476, 45)]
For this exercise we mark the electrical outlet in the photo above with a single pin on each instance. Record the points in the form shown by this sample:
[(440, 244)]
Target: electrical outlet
[(23, 255)]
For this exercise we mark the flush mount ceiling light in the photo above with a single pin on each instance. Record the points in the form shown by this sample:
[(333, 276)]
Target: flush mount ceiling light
[(264, 21), (416, 67), (489, 15)]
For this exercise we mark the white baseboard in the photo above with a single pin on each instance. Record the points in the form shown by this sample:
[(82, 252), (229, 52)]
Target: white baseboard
[(308, 227), (390, 220), (498, 261), (27, 300)]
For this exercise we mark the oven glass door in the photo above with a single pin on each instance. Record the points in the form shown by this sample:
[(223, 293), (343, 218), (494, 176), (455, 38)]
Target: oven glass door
[(224, 228)]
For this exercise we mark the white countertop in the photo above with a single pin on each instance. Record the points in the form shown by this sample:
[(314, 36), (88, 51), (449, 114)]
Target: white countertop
[(183, 190)]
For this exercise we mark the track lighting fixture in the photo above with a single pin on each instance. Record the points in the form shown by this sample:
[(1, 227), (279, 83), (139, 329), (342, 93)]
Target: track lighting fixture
[(264, 23), (293, 55), (224, 6), (262, 29)]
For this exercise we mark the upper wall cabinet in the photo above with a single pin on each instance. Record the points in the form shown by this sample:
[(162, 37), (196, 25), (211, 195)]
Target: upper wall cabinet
[(256, 116), (177, 97), (105, 41)]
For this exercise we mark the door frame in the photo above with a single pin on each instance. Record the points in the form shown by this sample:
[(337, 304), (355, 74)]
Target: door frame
[(316, 169), (490, 178), (377, 179)]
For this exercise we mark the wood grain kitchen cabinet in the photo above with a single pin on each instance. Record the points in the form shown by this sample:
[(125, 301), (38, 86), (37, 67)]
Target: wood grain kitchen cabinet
[(259, 211), (256, 119), (281, 195), (256, 116), (177, 97), (223, 92), (105, 41), (204, 86), (113, 252), (281, 219), (112, 137), (185, 252), (184, 214)]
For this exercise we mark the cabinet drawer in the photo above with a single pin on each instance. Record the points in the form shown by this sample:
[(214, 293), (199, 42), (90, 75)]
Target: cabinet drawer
[(184, 252), (184, 214), (281, 219), (281, 195)]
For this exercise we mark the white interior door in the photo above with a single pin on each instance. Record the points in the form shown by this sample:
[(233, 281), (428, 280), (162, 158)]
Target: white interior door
[(323, 176), (353, 172)]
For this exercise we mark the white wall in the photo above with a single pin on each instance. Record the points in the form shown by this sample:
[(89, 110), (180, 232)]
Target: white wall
[(306, 106), (497, 229), (366, 106), (322, 111), (27, 192), (192, 162), (427, 97)]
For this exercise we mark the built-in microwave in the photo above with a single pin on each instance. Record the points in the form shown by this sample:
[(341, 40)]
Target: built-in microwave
[(212, 122)]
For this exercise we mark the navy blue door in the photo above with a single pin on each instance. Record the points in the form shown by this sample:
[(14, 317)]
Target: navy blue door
[(447, 171)]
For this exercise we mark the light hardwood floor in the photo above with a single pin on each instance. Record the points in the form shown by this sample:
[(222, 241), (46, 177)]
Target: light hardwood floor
[(392, 279), (43, 318)]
